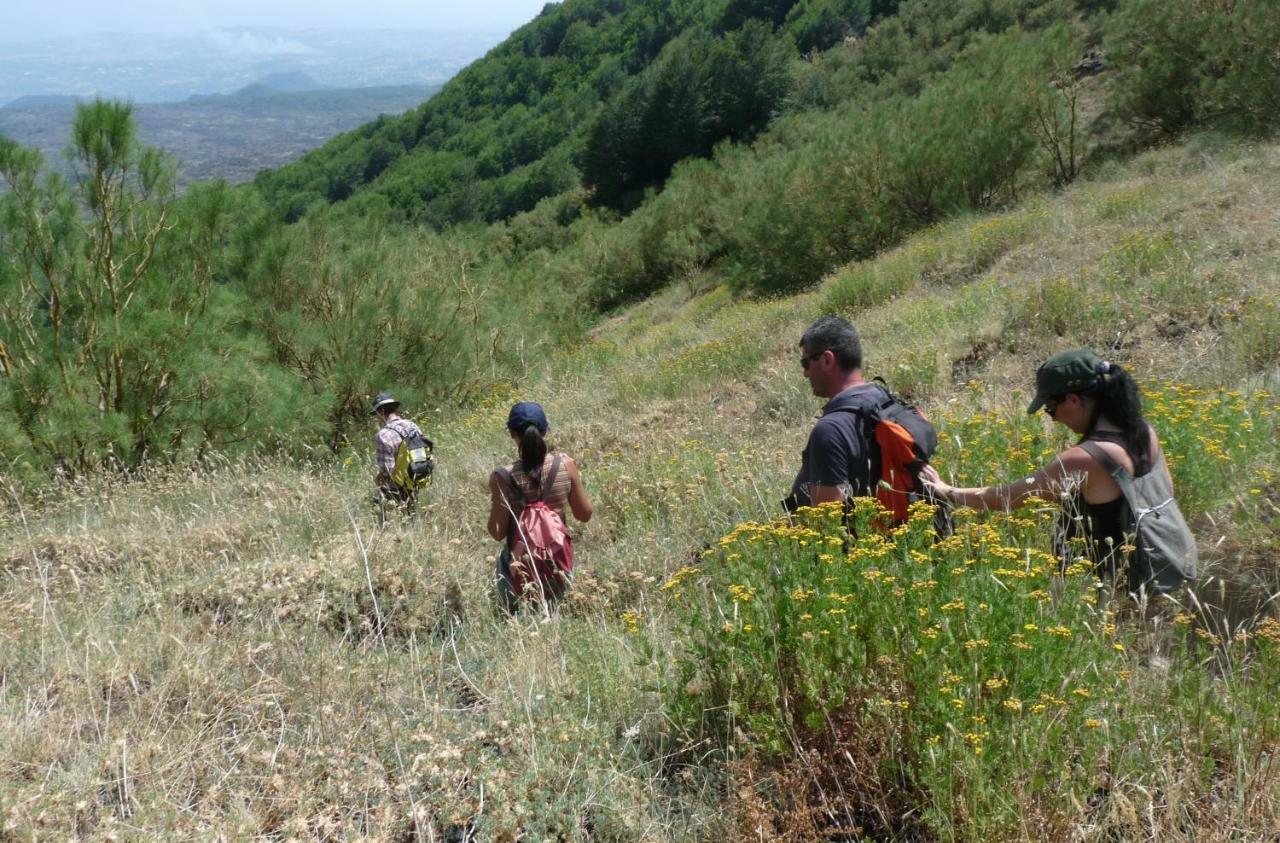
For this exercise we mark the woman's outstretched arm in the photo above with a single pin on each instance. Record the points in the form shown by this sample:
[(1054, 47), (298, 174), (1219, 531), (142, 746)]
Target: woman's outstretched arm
[(1066, 468)]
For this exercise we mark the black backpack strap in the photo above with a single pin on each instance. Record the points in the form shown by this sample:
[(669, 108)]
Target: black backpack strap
[(549, 480), (397, 431), (431, 446), (868, 406), (1100, 456), (517, 493)]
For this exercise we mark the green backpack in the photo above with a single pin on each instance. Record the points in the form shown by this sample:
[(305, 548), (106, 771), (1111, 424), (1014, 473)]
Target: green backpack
[(1166, 551), (414, 460)]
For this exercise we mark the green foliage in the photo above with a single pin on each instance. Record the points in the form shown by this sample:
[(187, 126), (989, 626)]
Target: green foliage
[(854, 181), (139, 327), (672, 238), (529, 100), (117, 343), (740, 162), (1191, 62), (955, 653), (978, 664), (699, 91), (342, 314), (819, 24)]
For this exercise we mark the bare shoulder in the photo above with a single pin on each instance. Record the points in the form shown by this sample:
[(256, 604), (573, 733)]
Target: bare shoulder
[(1085, 461), (1075, 458)]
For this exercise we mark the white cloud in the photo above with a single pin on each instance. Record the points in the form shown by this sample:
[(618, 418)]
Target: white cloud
[(250, 44)]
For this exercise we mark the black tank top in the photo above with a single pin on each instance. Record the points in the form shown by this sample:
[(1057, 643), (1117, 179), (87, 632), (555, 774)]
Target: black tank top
[(1101, 525)]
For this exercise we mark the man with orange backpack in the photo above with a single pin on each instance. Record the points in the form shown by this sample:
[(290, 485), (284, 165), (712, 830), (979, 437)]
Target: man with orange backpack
[(867, 441)]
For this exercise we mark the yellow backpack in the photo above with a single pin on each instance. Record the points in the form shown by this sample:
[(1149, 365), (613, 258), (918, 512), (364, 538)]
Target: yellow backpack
[(414, 461)]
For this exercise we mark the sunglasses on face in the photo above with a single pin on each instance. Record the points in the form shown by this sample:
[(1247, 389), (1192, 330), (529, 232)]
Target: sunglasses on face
[(809, 358), (1051, 405)]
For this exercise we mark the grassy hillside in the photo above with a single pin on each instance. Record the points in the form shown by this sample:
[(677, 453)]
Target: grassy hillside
[(241, 651), (615, 150)]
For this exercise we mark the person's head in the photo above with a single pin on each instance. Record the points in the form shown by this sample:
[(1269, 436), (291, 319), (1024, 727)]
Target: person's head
[(384, 406), (1078, 389), (528, 426), (831, 355)]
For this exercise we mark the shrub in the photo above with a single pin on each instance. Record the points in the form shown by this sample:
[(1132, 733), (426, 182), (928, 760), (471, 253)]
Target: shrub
[(1254, 334), (873, 282), (964, 656), (701, 90), (1186, 62)]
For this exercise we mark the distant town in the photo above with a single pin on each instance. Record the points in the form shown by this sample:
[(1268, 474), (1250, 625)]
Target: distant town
[(228, 103)]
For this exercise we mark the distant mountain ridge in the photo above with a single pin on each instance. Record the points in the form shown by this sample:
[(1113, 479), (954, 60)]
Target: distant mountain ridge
[(43, 101), (280, 83)]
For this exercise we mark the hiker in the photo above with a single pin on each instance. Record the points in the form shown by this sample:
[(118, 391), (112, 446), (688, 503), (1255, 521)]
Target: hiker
[(867, 441), (1116, 469), (402, 453), (526, 512), (835, 464)]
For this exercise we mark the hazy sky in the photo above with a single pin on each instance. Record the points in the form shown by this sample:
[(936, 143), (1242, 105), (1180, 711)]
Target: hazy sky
[(30, 20)]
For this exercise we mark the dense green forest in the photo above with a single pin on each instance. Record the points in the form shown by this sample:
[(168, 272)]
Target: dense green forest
[(606, 150)]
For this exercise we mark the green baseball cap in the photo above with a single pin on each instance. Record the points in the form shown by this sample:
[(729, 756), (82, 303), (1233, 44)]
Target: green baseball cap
[(1078, 370)]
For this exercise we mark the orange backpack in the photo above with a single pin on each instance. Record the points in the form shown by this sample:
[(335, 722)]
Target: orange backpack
[(905, 441)]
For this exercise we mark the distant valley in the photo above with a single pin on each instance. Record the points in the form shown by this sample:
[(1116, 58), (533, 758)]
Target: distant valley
[(266, 124), (229, 102)]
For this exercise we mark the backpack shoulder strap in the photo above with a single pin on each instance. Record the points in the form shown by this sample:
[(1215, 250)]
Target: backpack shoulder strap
[(397, 431), (517, 494), (867, 407), (1101, 456), (549, 480), (431, 446)]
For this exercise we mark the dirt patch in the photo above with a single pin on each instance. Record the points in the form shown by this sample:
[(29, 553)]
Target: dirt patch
[(842, 783), (967, 368)]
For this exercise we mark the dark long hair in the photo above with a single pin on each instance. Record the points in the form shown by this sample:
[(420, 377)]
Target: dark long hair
[(1117, 399), (533, 451)]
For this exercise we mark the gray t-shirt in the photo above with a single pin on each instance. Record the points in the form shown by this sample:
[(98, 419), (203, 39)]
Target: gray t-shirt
[(838, 453)]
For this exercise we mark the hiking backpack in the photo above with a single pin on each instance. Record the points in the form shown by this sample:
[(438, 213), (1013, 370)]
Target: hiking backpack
[(905, 442), (1165, 555), (414, 460), (541, 552)]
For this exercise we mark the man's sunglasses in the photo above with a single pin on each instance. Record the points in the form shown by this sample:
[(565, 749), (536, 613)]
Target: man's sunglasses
[(809, 358)]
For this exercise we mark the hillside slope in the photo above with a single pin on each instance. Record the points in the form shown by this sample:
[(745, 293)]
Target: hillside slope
[(242, 651), (611, 95), (725, 145)]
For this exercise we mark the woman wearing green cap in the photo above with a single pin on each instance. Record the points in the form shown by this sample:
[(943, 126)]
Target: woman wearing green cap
[(1099, 401)]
